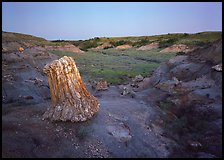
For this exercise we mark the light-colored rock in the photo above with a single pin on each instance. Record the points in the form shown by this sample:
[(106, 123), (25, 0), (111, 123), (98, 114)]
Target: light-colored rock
[(177, 48), (125, 46), (149, 46), (21, 49), (194, 145), (138, 78), (70, 98), (4, 49), (100, 85), (218, 67)]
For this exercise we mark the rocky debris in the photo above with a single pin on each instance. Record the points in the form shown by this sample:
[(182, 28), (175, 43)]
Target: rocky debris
[(20, 49), (127, 90), (138, 78), (194, 145), (139, 82), (125, 46), (178, 48), (193, 93), (100, 85), (65, 48), (139, 86), (4, 50), (150, 46), (71, 101), (8, 77), (218, 67)]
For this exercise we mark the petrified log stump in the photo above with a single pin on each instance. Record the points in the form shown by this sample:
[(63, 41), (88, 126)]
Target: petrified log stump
[(70, 98)]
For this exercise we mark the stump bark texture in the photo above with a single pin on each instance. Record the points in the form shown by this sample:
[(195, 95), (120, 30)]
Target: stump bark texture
[(71, 101)]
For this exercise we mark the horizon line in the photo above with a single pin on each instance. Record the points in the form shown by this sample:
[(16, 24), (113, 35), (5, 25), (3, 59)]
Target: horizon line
[(113, 36)]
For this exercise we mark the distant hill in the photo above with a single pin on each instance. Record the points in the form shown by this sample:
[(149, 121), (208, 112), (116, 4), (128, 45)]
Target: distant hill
[(165, 40), (12, 41)]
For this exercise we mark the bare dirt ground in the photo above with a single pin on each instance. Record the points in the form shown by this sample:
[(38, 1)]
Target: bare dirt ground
[(123, 127)]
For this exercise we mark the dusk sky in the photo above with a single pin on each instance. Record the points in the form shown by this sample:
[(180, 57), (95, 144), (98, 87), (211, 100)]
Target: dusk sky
[(84, 20)]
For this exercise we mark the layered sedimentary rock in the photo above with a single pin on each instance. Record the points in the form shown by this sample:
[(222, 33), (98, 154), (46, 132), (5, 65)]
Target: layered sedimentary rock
[(149, 46), (178, 48), (125, 46), (71, 101)]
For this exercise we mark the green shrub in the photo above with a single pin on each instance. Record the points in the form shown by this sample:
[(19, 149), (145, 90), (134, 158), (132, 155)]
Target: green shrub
[(120, 42), (199, 43), (141, 42), (88, 44), (167, 43)]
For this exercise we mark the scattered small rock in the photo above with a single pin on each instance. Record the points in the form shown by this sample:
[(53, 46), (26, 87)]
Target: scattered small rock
[(138, 78), (100, 85), (21, 49), (194, 145), (218, 67)]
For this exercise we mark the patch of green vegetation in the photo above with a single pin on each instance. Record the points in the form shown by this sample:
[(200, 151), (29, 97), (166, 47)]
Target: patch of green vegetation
[(167, 43), (141, 42), (116, 66)]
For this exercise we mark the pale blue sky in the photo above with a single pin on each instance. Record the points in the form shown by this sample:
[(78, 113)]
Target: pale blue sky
[(84, 20)]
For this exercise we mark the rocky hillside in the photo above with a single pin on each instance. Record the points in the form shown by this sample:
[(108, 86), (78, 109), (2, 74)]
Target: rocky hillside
[(190, 97)]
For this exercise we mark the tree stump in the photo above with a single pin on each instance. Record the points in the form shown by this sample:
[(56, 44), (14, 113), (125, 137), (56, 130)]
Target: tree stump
[(71, 100)]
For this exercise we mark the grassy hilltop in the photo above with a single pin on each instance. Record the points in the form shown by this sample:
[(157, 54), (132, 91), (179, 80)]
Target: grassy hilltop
[(165, 40)]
